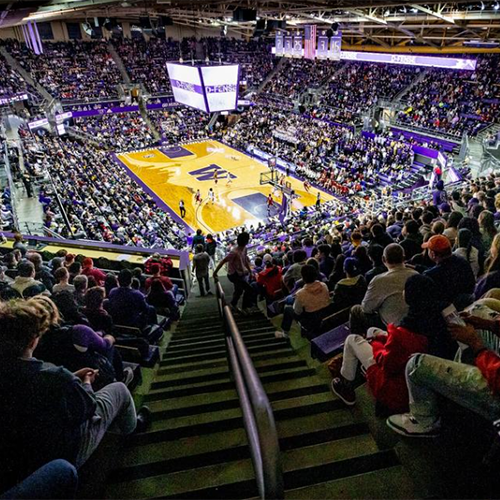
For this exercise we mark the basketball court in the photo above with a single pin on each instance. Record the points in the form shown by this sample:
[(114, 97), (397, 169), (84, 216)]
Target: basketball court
[(173, 174)]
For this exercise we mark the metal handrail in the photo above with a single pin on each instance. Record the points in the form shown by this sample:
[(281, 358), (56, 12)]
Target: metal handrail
[(258, 416)]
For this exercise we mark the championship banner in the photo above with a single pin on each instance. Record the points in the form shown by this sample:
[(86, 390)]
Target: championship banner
[(297, 46), (335, 47), (288, 50), (279, 44), (322, 50)]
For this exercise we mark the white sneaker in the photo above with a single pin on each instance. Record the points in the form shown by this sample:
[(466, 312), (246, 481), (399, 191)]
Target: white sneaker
[(280, 334), (407, 425), (128, 375)]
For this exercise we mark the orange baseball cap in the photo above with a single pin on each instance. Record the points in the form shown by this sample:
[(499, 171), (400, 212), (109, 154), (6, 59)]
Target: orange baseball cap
[(438, 244)]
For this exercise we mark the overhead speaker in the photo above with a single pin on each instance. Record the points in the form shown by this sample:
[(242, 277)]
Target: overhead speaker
[(335, 27), (259, 27), (241, 15), (166, 21), (145, 23)]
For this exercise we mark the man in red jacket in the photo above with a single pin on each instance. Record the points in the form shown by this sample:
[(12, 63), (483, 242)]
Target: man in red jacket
[(476, 388)]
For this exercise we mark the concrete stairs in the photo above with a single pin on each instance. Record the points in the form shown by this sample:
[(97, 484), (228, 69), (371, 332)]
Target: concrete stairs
[(119, 64), (270, 76), (415, 82), (14, 64), (197, 446)]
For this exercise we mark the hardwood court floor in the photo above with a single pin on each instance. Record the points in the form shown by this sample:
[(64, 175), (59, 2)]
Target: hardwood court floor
[(175, 173)]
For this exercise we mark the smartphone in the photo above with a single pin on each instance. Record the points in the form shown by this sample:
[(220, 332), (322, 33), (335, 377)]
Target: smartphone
[(451, 316)]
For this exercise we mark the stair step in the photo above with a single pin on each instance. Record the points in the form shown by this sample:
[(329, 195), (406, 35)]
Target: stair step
[(222, 361), (353, 435), (163, 421), (295, 431), (188, 350), (187, 338), (181, 360), (157, 436), (221, 373), (236, 480), (222, 401), (209, 387), (166, 374)]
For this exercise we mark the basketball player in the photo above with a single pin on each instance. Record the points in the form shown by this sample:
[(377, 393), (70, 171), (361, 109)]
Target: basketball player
[(197, 197), (307, 186), (318, 201), (182, 209), (211, 195), (216, 177), (270, 203), (229, 179)]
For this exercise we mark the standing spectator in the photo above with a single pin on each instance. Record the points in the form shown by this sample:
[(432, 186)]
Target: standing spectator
[(211, 249), (201, 263), (238, 270), (198, 239)]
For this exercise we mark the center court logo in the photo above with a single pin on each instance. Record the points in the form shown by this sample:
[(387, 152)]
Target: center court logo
[(207, 173)]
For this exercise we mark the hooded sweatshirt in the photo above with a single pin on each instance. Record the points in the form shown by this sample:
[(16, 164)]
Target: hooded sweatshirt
[(311, 298)]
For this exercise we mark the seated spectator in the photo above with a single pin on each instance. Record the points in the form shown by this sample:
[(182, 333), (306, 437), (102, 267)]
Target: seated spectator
[(270, 278), (350, 290), (293, 273), (466, 250), (380, 236), (128, 307), (139, 276), (312, 302), (326, 262), (19, 245), (451, 231), (49, 412), (57, 479), (99, 319), (452, 274), (431, 378), (162, 300), (74, 269), (384, 355), (375, 253), (25, 280), (81, 284), (88, 269), (62, 278), (164, 262), (383, 303), (364, 263), (110, 283), (157, 276), (68, 308), (5, 281), (42, 273), (491, 279)]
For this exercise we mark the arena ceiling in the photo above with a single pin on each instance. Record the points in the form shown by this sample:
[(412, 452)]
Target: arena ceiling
[(385, 23)]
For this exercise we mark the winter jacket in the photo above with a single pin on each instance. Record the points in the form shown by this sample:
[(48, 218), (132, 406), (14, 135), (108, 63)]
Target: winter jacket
[(386, 378)]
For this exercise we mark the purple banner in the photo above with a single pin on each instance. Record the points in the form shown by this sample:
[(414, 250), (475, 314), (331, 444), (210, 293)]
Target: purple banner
[(288, 47), (279, 44), (335, 50), (297, 46), (322, 50)]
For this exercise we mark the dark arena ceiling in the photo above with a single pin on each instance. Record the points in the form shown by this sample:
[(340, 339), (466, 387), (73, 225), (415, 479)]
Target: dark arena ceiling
[(384, 23)]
